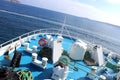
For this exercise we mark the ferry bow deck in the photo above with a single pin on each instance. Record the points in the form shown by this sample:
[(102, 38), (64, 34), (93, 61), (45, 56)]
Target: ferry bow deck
[(78, 70)]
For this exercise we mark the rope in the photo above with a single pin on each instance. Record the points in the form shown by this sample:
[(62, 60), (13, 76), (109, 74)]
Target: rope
[(25, 75), (77, 68)]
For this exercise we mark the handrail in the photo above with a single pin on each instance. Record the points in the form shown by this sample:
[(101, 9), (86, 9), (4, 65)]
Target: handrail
[(27, 34), (41, 31)]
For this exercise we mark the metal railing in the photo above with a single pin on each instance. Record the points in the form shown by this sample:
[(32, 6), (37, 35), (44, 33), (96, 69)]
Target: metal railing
[(40, 31), (73, 35)]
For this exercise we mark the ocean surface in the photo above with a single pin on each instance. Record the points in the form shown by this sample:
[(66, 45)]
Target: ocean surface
[(31, 18)]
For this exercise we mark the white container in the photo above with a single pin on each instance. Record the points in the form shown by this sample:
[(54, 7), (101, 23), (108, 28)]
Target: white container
[(78, 50)]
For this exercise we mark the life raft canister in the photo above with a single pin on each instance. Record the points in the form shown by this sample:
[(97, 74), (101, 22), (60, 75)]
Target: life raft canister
[(42, 42)]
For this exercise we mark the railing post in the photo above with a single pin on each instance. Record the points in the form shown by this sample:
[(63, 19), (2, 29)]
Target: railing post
[(19, 37), (12, 41), (0, 46), (45, 31), (27, 34), (34, 32), (39, 31)]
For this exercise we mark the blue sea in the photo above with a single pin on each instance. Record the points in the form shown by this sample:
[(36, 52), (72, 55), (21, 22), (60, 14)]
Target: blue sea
[(12, 25)]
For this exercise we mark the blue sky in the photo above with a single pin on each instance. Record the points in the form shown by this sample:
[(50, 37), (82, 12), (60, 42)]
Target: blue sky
[(108, 6), (100, 10)]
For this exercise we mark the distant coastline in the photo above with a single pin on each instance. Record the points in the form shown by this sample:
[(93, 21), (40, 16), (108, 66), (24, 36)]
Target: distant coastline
[(15, 1)]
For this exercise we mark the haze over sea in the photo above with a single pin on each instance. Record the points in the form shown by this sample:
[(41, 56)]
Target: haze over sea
[(12, 25)]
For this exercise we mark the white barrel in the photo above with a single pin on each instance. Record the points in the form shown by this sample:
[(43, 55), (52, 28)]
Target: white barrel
[(28, 39), (94, 68), (34, 48), (34, 56), (34, 37), (59, 38), (44, 61), (26, 45)]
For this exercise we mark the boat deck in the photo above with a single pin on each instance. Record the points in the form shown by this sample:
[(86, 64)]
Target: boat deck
[(77, 70)]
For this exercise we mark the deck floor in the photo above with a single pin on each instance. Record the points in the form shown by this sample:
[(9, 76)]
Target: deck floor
[(39, 74)]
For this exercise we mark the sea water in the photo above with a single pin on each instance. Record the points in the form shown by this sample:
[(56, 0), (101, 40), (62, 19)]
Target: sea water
[(12, 25)]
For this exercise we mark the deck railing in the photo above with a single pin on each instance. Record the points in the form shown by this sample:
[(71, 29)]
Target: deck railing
[(46, 31), (40, 31)]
